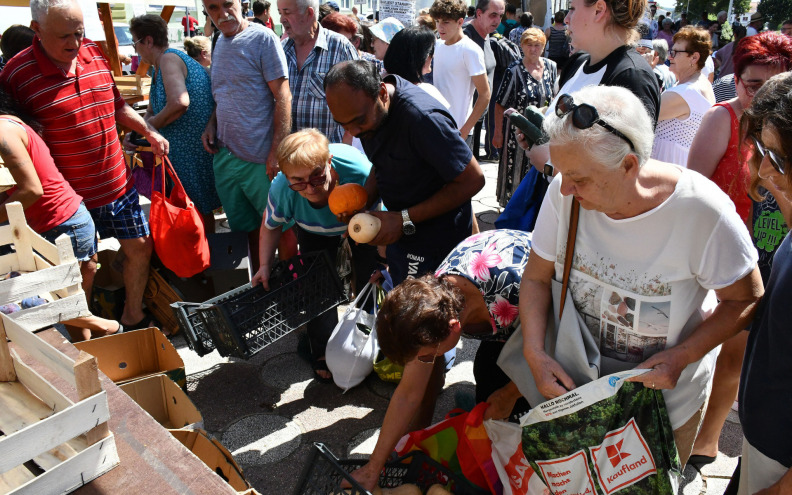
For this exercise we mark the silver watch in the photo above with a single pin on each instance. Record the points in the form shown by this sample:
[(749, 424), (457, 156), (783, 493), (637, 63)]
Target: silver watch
[(407, 226)]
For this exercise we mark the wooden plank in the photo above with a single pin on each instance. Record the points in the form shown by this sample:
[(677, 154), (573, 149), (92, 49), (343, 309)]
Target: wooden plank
[(86, 374), (53, 312), (9, 263), (112, 43), (6, 179), (5, 235), (7, 373), (167, 11), (35, 439), (75, 472), (40, 282), (38, 349), (40, 387), (14, 478), (45, 248), (20, 233)]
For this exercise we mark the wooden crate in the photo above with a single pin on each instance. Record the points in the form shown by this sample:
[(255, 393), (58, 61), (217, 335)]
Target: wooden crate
[(159, 296), (46, 270), (133, 85), (6, 180)]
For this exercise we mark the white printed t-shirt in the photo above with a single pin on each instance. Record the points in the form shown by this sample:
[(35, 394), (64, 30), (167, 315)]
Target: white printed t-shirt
[(454, 68), (642, 284)]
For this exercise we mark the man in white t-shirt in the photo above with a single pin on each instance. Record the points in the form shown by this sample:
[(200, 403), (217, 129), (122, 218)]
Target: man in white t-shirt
[(459, 68)]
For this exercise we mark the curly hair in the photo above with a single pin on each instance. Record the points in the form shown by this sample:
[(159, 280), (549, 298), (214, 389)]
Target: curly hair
[(698, 41), (771, 107), (416, 314), (448, 9)]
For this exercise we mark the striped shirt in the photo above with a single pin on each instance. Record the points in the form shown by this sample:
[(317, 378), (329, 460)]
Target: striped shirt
[(309, 104), (77, 112)]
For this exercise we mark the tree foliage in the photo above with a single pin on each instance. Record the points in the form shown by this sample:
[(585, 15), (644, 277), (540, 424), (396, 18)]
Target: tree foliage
[(776, 11), (695, 7)]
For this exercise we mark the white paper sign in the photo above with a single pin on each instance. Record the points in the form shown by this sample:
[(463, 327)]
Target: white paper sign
[(138, 7), (403, 10), (93, 27)]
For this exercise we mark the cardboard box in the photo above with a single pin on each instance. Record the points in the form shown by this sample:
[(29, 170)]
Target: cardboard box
[(134, 355), (230, 263), (159, 396), (214, 455)]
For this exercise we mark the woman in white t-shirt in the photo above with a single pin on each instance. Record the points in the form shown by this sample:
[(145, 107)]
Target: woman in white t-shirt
[(683, 107), (662, 240)]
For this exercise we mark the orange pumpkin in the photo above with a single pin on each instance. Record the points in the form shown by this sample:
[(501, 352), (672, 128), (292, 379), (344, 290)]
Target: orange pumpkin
[(346, 199)]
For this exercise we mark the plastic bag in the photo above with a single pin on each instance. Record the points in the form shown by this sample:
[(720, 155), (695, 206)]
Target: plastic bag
[(353, 346), (606, 436)]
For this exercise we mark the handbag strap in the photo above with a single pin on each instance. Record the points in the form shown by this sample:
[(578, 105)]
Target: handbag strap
[(166, 166), (570, 251)]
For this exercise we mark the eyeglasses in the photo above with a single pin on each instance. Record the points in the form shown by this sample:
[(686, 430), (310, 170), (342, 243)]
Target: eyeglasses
[(426, 360), (673, 53), (315, 181), (134, 42), (584, 116), (778, 162)]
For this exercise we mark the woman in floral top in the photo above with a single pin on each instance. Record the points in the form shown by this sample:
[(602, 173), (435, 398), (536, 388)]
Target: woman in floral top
[(474, 293)]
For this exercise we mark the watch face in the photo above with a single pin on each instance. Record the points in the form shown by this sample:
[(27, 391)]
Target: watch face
[(408, 228)]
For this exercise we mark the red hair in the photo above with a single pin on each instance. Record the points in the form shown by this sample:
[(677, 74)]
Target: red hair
[(339, 22), (765, 48)]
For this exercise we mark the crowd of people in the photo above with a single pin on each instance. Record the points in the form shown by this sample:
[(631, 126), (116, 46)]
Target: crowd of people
[(675, 157)]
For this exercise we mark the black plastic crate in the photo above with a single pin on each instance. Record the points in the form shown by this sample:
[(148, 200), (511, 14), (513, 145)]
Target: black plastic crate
[(192, 325), (324, 473)]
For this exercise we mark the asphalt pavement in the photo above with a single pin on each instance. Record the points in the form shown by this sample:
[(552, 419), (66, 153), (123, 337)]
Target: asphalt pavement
[(269, 410)]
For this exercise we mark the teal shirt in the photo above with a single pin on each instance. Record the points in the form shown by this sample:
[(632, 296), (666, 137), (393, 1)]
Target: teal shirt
[(285, 205)]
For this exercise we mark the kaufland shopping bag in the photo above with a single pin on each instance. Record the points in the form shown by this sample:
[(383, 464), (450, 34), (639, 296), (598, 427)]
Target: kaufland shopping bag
[(604, 437)]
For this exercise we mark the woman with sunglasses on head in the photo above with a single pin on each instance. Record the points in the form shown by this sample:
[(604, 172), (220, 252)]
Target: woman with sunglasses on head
[(683, 106), (654, 240), (717, 153), (601, 31), (473, 294), (766, 380), (311, 168)]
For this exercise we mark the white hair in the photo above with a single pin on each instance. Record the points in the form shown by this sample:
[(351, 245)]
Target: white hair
[(39, 8), (616, 106), (303, 5)]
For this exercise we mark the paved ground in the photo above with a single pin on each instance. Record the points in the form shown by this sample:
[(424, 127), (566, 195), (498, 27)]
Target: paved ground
[(268, 411)]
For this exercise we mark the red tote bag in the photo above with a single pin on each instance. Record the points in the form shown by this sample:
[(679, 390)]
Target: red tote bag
[(177, 228)]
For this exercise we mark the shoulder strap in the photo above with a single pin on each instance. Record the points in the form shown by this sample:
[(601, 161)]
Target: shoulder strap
[(570, 251)]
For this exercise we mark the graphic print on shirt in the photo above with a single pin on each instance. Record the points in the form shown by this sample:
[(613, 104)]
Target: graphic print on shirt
[(629, 325)]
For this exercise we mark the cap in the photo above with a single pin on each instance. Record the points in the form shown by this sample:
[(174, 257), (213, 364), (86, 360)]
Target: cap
[(386, 29), (334, 6), (646, 44)]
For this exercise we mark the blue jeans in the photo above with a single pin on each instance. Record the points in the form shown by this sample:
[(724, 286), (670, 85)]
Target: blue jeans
[(80, 229)]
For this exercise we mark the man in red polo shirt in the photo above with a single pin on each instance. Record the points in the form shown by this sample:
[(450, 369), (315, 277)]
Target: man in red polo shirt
[(64, 82)]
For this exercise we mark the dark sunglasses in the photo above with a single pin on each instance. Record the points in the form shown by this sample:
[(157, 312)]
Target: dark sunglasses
[(585, 116), (312, 181), (776, 161)]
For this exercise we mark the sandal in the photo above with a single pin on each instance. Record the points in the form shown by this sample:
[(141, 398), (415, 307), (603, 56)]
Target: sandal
[(147, 321), (321, 365)]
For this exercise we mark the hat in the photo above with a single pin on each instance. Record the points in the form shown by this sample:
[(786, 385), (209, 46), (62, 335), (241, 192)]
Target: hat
[(386, 29), (333, 6), (757, 17), (646, 44)]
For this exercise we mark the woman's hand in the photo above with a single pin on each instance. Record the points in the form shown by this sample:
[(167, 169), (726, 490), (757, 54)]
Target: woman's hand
[(551, 379), (497, 139), (367, 476), (501, 402), (665, 366)]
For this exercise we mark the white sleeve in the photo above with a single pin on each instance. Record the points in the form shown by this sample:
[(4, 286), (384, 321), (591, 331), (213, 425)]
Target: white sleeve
[(544, 240), (474, 60), (729, 254)]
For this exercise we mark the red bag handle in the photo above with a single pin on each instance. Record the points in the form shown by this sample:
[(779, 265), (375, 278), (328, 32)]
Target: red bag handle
[(171, 173), (476, 416)]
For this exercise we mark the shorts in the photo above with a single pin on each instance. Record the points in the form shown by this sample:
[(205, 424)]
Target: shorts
[(81, 231), (243, 187), (122, 218)]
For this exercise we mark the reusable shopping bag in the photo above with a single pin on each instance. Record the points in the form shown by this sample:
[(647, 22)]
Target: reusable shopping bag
[(459, 443), (607, 436), (353, 346), (177, 228), (522, 210)]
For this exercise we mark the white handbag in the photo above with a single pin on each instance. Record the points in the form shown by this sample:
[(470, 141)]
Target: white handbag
[(353, 345)]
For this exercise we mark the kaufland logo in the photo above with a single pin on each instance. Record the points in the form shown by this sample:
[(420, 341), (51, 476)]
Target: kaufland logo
[(623, 458)]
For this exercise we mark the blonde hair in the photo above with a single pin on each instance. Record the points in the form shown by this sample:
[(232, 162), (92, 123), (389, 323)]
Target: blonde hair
[(304, 149), (533, 35), (197, 44)]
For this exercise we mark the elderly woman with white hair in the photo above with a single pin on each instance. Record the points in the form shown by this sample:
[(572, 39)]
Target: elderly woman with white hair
[(661, 243)]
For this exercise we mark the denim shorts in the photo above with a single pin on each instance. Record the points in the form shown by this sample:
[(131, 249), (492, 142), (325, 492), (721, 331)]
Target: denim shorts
[(122, 218), (80, 229)]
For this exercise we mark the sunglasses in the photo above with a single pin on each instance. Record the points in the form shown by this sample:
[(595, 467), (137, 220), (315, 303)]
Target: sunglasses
[(427, 359), (584, 116), (315, 181), (778, 162)]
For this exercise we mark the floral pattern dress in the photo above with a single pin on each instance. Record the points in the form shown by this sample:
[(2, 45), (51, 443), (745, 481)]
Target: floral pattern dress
[(493, 261), (192, 163), (519, 90)]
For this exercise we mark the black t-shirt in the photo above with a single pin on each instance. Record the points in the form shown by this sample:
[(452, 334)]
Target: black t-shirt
[(766, 380), (415, 152), (624, 67), (768, 231)]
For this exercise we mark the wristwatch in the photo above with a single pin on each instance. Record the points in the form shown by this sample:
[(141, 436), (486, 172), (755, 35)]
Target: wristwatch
[(407, 226)]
